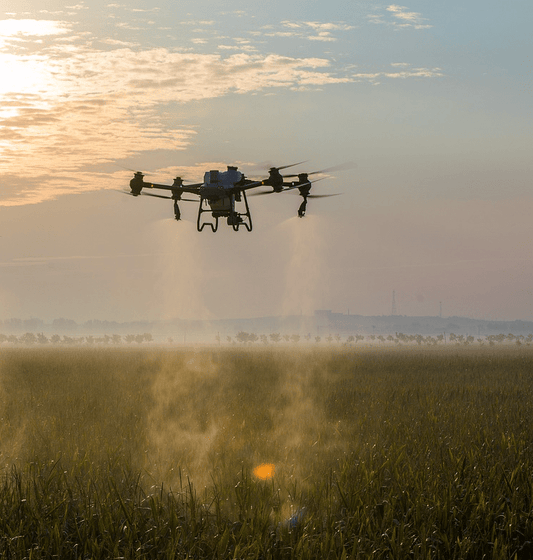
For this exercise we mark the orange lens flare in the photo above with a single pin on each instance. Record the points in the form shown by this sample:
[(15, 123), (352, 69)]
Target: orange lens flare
[(264, 471)]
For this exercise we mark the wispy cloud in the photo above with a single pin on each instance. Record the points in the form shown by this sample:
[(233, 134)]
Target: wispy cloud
[(400, 70), (309, 30), (400, 17)]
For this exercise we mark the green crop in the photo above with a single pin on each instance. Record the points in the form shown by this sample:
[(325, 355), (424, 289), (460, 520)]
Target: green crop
[(377, 453)]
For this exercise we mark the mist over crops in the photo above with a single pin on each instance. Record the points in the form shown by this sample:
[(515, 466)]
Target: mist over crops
[(390, 452)]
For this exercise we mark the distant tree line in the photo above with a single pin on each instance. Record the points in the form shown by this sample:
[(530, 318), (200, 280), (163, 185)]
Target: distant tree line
[(246, 338), (29, 339)]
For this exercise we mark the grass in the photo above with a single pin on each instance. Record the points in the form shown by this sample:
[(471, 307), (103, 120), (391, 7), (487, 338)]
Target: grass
[(377, 453)]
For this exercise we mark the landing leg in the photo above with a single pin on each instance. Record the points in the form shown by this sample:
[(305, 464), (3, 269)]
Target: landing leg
[(245, 218), (201, 210), (303, 206)]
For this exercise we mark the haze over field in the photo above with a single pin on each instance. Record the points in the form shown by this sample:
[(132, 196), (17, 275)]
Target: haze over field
[(431, 101)]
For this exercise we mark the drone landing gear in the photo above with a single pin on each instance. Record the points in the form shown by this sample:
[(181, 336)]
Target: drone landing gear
[(237, 219), (202, 209), (303, 207), (225, 209), (177, 213)]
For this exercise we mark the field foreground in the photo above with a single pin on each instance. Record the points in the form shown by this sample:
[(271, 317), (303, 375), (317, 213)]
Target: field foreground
[(371, 453)]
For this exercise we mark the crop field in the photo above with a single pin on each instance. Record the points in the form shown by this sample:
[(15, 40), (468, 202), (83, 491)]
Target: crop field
[(331, 452)]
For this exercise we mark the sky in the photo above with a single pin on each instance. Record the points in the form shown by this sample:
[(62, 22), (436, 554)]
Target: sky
[(429, 101)]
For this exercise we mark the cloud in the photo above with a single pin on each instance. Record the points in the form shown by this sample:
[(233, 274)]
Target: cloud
[(15, 32), (401, 18), (309, 30), (406, 72)]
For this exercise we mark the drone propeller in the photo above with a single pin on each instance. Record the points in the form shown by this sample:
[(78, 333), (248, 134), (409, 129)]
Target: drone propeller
[(340, 167), (323, 195), (169, 197), (286, 166), (136, 171), (287, 189), (156, 195)]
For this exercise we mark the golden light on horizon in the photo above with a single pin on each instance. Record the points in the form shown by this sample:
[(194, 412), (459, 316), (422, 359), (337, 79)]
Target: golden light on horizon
[(264, 471)]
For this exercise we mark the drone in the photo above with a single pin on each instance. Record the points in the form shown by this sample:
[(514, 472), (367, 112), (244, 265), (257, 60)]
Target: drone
[(222, 194)]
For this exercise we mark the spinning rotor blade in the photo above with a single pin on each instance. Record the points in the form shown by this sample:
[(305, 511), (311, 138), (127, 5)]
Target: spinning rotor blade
[(261, 193), (156, 195), (340, 167), (307, 184), (169, 197), (133, 170), (322, 195), (286, 166)]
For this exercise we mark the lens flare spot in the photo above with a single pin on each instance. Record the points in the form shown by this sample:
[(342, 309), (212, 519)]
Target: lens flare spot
[(264, 471)]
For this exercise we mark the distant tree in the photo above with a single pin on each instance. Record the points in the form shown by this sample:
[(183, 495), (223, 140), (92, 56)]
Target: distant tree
[(139, 338), (307, 337), (286, 337), (350, 339), (228, 338), (275, 337), (3, 338), (129, 338), (295, 338), (317, 339), (55, 339), (148, 337), (243, 337), (217, 338), (116, 339), (264, 339), (28, 338), (338, 337), (329, 339), (41, 339)]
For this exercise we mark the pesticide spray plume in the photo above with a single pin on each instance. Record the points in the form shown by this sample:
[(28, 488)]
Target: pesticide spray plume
[(305, 277), (179, 271)]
